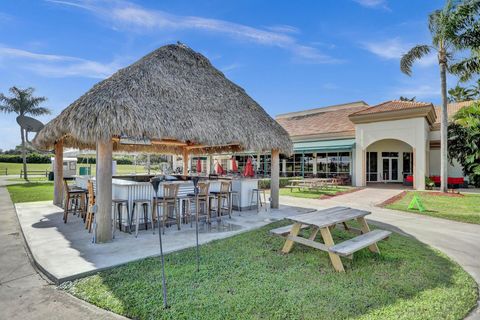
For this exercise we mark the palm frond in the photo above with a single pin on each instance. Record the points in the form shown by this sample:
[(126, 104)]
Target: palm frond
[(466, 68), (410, 57), (38, 111)]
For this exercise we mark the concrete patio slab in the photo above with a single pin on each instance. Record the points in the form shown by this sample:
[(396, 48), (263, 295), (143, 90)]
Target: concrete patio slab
[(65, 251)]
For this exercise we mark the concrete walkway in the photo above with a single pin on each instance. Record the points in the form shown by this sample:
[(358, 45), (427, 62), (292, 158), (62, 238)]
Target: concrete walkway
[(24, 294), (460, 241)]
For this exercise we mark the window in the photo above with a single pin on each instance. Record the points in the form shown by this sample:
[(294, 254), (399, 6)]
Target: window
[(372, 166), (390, 154), (333, 163)]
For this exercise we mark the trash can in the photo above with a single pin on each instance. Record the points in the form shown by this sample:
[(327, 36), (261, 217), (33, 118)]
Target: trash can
[(85, 171), (50, 176)]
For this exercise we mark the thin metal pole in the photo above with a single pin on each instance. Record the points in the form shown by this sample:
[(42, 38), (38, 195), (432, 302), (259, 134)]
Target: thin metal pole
[(164, 285), (196, 227)]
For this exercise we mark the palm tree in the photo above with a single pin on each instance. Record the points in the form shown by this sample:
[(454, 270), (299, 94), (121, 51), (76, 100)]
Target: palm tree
[(439, 26), (23, 103), (459, 94), (464, 33)]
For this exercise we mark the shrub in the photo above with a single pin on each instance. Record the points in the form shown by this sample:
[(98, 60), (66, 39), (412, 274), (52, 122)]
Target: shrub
[(31, 158), (265, 183)]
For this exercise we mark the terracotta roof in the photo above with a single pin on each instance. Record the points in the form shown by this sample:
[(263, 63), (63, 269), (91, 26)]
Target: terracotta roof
[(393, 105), (321, 121), (452, 108)]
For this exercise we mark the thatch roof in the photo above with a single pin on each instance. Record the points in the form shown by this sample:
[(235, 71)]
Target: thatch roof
[(173, 96)]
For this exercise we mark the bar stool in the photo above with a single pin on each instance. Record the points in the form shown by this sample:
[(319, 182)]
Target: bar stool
[(203, 202), (74, 200), (222, 196), (235, 195), (89, 217), (118, 205), (147, 210), (168, 201), (258, 199)]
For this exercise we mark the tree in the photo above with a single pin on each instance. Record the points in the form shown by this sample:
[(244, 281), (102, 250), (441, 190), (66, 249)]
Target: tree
[(402, 98), (440, 28), (463, 32), (22, 102), (459, 94), (464, 141)]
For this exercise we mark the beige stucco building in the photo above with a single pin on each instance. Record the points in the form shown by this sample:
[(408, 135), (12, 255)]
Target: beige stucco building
[(385, 143)]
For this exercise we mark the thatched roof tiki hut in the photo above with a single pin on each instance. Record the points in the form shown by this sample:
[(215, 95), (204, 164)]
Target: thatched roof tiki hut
[(175, 99)]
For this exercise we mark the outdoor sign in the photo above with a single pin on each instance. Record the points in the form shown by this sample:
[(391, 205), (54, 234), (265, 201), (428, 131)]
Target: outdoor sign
[(416, 204)]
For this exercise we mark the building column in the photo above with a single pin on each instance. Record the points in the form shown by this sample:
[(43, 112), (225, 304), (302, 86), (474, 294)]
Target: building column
[(284, 167), (419, 166), (275, 180), (58, 174), (103, 216), (360, 166), (314, 168)]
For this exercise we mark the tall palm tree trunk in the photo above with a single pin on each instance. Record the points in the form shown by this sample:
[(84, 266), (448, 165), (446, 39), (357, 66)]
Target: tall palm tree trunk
[(444, 124), (24, 154)]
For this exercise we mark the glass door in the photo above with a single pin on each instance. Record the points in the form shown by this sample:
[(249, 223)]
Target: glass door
[(390, 166), (386, 169), (394, 169)]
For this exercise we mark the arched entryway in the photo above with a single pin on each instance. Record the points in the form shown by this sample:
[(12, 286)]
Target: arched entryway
[(388, 161)]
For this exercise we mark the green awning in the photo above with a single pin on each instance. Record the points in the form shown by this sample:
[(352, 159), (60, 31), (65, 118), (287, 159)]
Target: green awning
[(324, 145)]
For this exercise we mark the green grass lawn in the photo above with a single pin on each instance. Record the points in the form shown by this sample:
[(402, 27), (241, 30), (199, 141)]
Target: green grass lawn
[(32, 191), (313, 194), (14, 168), (464, 209), (246, 277)]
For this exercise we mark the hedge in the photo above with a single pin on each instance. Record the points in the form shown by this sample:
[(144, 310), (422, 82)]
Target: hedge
[(45, 158), (265, 183), (31, 158), (120, 160)]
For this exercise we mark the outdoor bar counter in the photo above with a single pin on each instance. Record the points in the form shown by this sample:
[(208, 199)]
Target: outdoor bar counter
[(133, 187)]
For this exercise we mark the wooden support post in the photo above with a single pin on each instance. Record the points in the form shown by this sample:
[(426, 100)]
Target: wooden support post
[(58, 174), (293, 233), (366, 229), (335, 259), (185, 161), (104, 192), (275, 180)]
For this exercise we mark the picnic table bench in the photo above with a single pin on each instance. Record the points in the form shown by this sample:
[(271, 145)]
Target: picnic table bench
[(324, 221)]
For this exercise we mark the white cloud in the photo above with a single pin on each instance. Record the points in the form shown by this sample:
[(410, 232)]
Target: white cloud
[(128, 16), (373, 3), (394, 49), (230, 67), (283, 28), (51, 65)]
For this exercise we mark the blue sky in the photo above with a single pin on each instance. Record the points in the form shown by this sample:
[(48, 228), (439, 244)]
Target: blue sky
[(288, 55)]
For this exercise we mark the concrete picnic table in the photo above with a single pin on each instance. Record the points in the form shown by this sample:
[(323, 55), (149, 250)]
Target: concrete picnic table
[(325, 221)]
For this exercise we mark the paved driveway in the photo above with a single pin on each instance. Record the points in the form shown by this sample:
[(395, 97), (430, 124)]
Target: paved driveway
[(24, 294), (460, 241)]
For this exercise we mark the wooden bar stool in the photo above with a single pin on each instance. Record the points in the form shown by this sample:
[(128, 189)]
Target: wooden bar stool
[(222, 196), (74, 200), (203, 202), (169, 201), (91, 202), (147, 211)]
